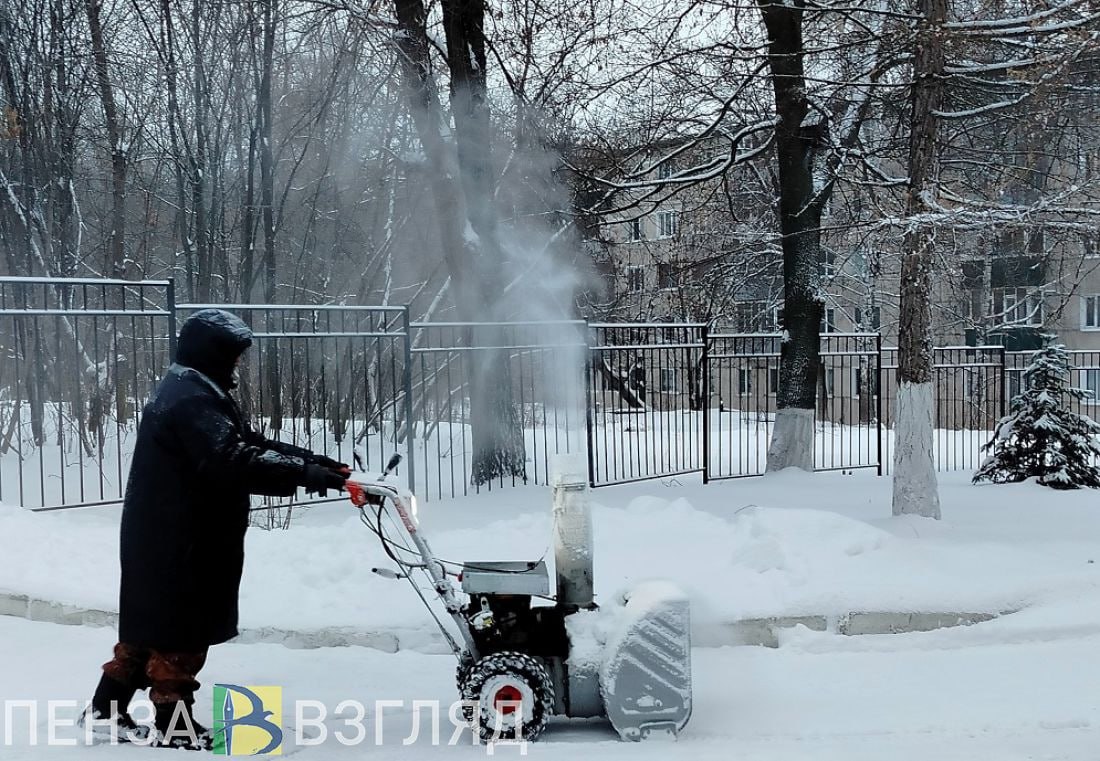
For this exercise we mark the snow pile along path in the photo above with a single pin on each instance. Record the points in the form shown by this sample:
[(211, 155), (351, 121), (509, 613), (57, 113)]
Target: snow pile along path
[(789, 544)]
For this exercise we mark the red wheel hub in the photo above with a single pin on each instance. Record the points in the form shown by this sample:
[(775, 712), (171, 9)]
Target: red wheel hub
[(507, 699)]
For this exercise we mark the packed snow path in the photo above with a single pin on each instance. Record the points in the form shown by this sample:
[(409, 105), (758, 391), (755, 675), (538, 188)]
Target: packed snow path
[(1022, 686), (997, 690)]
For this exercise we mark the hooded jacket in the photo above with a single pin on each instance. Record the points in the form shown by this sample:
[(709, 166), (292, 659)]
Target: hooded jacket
[(185, 511)]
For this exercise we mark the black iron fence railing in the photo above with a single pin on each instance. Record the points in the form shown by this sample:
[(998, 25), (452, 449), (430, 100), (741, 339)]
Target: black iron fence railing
[(471, 406), (646, 394), (516, 388), (77, 360)]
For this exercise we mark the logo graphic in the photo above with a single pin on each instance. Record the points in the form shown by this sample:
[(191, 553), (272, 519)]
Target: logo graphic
[(248, 720)]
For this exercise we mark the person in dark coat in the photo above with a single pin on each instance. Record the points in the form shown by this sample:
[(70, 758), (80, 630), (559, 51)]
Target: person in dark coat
[(184, 516)]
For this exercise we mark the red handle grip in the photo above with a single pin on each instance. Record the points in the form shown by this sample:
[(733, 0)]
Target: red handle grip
[(358, 497)]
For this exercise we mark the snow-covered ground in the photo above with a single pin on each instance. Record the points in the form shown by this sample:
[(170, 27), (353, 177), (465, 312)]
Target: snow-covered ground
[(1025, 685), (785, 544), (993, 691)]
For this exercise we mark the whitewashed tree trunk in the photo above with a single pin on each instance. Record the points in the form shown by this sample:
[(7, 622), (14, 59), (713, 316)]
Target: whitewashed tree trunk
[(800, 208), (792, 444), (915, 489)]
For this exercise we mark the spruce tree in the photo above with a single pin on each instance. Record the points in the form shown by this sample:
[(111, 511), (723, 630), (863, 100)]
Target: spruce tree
[(1040, 436)]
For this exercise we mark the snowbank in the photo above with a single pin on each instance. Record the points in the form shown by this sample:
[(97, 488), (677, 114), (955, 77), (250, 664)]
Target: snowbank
[(783, 545)]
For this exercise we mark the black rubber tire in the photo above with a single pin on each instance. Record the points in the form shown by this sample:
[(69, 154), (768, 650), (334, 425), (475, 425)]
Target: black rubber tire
[(465, 663), (519, 666)]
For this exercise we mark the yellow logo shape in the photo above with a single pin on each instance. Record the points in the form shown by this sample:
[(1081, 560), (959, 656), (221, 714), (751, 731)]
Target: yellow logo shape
[(248, 720)]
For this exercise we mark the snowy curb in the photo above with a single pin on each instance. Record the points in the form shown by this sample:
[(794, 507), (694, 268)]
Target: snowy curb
[(34, 609), (750, 631), (764, 632)]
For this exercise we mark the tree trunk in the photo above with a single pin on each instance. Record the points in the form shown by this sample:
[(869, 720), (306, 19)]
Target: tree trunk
[(495, 426), (423, 100), (179, 147), (915, 490), (199, 169), (116, 254), (267, 211), (792, 443), (497, 430), (248, 222), (474, 261)]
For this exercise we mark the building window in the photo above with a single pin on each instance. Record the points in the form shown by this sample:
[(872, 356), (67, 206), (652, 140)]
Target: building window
[(670, 379), (828, 321), (1037, 241), (664, 170), (828, 262), (635, 232), (744, 381), (668, 223), (668, 276), (752, 317), (1018, 307), (1090, 381), (857, 382), (1090, 312), (1091, 245), (635, 279), (875, 322)]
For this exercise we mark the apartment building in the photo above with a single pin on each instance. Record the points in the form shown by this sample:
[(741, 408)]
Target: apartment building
[(708, 254)]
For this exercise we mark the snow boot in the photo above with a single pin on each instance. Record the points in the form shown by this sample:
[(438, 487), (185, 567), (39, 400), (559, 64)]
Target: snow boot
[(113, 723), (176, 728)]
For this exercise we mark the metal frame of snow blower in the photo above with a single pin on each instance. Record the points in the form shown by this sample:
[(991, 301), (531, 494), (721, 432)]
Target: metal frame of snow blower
[(366, 494)]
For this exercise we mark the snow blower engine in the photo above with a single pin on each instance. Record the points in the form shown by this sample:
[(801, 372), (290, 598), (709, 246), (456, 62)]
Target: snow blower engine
[(526, 654)]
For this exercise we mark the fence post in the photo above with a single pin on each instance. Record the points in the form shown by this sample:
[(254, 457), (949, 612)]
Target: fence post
[(170, 297), (706, 403), (1004, 384), (406, 379), (878, 396), (589, 402)]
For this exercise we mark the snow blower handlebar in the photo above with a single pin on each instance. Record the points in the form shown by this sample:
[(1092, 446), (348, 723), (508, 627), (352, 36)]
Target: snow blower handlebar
[(361, 495), (383, 496)]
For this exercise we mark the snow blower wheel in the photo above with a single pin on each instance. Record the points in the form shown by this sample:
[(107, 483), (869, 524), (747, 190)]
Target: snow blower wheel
[(513, 695)]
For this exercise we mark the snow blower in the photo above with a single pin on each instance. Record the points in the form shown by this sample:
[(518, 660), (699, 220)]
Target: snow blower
[(525, 654)]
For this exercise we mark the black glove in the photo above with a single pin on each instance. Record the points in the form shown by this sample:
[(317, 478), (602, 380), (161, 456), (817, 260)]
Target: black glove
[(328, 462), (317, 479)]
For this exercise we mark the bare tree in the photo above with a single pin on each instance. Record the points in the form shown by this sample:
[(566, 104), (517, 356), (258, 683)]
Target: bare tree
[(914, 470), (797, 140), (462, 188), (115, 264)]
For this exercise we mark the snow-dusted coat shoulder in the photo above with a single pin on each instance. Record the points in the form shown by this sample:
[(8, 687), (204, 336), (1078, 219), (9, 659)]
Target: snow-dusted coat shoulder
[(186, 511)]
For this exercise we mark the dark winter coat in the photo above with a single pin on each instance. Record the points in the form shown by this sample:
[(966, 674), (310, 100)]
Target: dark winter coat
[(187, 498)]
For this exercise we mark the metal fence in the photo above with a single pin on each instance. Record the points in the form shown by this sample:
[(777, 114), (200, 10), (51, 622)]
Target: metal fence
[(970, 399), (78, 359), (519, 379), (646, 389), (744, 377), (743, 373), (326, 377)]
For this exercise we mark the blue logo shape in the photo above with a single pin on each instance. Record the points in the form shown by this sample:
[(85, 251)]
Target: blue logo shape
[(228, 718)]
